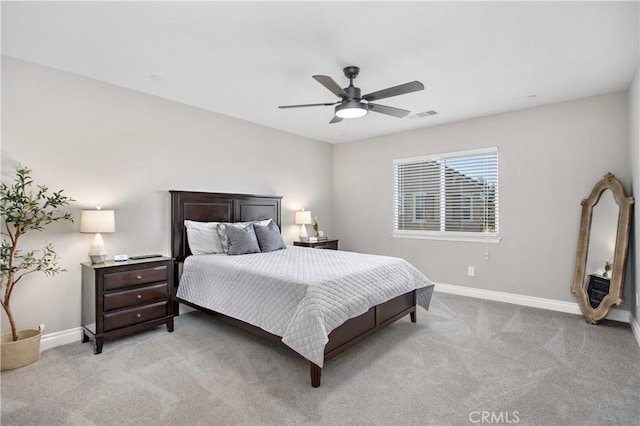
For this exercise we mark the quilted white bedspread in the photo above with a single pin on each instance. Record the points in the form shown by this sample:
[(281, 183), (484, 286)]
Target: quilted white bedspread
[(299, 293)]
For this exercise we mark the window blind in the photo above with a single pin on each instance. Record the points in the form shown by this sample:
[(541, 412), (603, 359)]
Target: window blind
[(447, 193)]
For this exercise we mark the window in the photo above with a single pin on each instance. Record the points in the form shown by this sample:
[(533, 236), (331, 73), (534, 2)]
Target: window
[(451, 196), (423, 207)]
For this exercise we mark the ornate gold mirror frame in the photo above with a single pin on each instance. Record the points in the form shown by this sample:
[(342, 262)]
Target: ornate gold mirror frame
[(579, 288)]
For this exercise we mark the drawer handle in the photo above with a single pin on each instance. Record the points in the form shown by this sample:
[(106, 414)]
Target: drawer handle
[(138, 315), (139, 277), (139, 296)]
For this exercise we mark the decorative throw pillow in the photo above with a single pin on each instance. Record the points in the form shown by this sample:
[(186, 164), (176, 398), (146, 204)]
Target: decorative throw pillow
[(242, 239), (269, 238), (224, 241), (203, 237)]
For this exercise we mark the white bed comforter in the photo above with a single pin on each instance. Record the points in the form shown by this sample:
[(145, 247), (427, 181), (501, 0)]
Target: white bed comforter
[(299, 293)]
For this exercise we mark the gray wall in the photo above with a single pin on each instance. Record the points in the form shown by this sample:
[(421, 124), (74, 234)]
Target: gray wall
[(550, 158), (124, 149)]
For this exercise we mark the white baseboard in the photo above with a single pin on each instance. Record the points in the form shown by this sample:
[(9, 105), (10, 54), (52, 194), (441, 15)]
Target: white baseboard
[(59, 338), (534, 302), (51, 340)]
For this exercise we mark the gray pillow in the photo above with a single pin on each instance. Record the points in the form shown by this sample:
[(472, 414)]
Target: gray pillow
[(242, 239), (224, 241), (269, 237)]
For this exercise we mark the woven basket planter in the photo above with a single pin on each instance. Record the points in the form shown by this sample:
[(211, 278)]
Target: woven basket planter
[(24, 351)]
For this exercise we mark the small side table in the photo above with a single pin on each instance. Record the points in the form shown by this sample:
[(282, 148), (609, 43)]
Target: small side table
[(330, 244)]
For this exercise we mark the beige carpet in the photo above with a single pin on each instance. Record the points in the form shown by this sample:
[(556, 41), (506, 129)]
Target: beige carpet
[(466, 361)]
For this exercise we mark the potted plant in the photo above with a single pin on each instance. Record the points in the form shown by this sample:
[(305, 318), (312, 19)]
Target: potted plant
[(24, 209), (316, 231), (608, 266)]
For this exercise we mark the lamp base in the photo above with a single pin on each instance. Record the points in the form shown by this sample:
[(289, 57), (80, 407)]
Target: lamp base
[(303, 233), (98, 258), (97, 254)]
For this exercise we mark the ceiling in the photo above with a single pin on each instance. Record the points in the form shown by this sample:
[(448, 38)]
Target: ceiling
[(243, 59)]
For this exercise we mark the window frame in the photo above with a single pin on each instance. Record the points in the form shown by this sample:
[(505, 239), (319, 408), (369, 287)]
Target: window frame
[(425, 196), (399, 208)]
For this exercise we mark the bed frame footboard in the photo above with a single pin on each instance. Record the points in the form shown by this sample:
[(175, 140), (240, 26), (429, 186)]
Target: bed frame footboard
[(359, 328), (343, 337)]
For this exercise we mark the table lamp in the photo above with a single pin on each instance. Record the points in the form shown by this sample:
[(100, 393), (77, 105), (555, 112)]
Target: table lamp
[(97, 221), (303, 218)]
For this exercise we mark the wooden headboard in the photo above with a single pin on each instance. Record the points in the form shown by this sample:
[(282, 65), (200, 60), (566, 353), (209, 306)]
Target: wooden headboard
[(216, 207)]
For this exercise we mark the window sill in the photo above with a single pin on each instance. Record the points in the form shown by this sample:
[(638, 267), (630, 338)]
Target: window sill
[(449, 236)]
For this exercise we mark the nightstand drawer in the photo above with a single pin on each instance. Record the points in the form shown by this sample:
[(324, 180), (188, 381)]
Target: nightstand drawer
[(135, 297), (329, 245), (599, 284), (118, 280), (129, 317)]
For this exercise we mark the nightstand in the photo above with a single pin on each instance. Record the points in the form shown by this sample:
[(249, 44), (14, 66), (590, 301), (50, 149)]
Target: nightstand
[(329, 244), (120, 298), (597, 289)]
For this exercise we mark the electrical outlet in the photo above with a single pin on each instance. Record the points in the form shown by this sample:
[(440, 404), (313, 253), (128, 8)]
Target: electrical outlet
[(471, 271)]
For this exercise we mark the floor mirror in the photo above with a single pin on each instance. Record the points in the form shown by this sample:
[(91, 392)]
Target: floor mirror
[(603, 244)]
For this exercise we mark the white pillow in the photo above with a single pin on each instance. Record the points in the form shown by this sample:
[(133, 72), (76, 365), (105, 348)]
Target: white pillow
[(203, 237)]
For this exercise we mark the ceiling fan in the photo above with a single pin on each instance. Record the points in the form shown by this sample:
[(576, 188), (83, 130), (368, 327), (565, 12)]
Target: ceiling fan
[(352, 105)]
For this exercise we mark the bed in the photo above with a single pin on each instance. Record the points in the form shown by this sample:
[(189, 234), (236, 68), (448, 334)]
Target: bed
[(350, 325)]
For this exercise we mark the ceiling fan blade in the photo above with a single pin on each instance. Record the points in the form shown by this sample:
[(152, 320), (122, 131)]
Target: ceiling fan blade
[(330, 84), (383, 109), (402, 89), (335, 119), (306, 105)]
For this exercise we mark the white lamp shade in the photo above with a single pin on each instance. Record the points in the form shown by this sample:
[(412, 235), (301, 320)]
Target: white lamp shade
[(93, 221), (303, 218)]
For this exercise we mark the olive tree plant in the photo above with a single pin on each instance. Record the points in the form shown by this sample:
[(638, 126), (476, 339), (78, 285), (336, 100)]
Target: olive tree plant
[(23, 209)]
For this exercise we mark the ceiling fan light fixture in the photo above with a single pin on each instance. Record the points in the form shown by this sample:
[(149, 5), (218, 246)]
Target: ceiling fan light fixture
[(351, 109), (353, 105)]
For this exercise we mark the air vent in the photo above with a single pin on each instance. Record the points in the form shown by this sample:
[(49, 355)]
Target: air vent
[(426, 113)]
